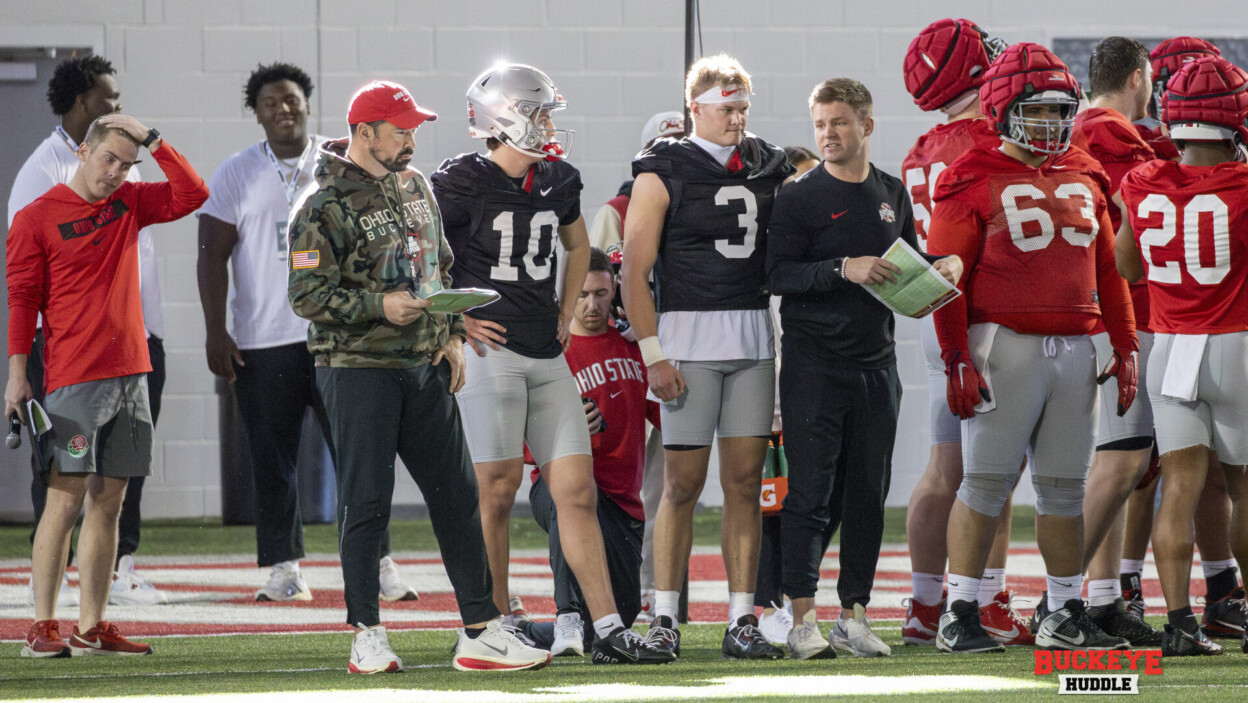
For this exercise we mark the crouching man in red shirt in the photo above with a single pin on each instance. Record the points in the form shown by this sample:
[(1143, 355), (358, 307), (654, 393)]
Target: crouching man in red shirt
[(73, 257)]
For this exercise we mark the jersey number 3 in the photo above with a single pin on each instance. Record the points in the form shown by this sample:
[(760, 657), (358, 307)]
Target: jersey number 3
[(510, 262), (747, 219)]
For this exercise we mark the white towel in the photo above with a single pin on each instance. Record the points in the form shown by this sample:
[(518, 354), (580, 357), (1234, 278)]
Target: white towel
[(1183, 366), (979, 338)]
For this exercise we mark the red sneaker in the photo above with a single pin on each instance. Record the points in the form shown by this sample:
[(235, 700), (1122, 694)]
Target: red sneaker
[(43, 641), (104, 639), (1003, 623), (921, 622)]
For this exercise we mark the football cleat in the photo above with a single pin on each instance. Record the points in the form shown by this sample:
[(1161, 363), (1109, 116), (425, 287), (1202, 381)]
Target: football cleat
[(1003, 623), (104, 639), (43, 641), (1117, 620), (1225, 617), (496, 649), (1177, 643), (960, 632), (664, 633), (855, 635), (921, 622), (371, 653), (623, 646), (1071, 628), (744, 641), (1040, 613)]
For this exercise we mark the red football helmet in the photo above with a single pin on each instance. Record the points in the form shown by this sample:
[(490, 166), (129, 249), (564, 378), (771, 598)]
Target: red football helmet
[(1207, 100), (1027, 75), (948, 59), (1168, 58)]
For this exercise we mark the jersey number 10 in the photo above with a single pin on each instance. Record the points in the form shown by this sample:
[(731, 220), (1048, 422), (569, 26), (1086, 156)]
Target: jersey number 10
[(510, 262)]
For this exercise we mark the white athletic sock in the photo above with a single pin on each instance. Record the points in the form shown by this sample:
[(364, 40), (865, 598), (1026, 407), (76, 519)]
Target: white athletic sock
[(605, 626), (1062, 589), (1213, 567), (667, 603), (928, 589), (1131, 566), (739, 605), (990, 585), (1104, 592), (963, 588)]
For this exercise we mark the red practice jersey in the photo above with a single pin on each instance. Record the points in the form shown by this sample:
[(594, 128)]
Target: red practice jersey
[(934, 151), (1191, 226), (609, 371), (78, 264), (1116, 144), (1036, 246), (1161, 144)]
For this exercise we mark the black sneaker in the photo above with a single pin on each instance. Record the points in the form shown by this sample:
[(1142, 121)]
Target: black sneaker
[(745, 641), (623, 646), (1117, 620), (1177, 643), (1225, 617), (1040, 613), (663, 634), (1071, 628), (959, 631)]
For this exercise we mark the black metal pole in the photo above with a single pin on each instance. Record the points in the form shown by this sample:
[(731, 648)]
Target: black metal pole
[(691, 19)]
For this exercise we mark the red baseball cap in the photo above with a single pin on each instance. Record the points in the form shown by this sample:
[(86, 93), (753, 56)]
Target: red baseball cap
[(383, 100)]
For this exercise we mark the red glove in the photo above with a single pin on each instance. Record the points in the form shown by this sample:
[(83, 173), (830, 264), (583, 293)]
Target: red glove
[(966, 387), (1126, 369)]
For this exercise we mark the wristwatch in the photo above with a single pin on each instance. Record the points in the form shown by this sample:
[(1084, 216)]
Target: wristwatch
[(152, 135)]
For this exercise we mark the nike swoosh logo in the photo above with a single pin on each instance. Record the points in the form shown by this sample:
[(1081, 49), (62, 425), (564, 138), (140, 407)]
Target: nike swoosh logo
[(727, 93), (952, 641), (547, 190), (502, 651), (916, 624), (838, 214), (97, 644), (1057, 167), (1004, 634), (1064, 585), (953, 584), (616, 393)]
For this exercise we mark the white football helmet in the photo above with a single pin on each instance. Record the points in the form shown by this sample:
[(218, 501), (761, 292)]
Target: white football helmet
[(505, 103)]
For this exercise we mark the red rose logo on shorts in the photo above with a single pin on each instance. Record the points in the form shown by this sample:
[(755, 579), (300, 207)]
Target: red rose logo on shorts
[(78, 446)]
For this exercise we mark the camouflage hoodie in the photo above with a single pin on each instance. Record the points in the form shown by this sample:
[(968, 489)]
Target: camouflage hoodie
[(355, 238)]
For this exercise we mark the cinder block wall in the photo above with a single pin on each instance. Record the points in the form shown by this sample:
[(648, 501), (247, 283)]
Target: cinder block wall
[(182, 63)]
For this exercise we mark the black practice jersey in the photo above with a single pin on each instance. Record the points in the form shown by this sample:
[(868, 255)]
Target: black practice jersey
[(504, 239), (820, 218), (714, 243)]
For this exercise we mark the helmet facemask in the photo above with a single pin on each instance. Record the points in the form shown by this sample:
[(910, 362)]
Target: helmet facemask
[(1042, 135), (540, 140)]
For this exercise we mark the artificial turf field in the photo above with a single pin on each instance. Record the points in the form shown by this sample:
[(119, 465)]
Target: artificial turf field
[(308, 667)]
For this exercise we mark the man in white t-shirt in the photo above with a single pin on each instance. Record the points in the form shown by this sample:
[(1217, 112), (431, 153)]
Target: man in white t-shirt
[(265, 352), (81, 89)]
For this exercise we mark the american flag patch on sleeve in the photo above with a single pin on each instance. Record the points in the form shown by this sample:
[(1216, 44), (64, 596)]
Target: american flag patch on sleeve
[(305, 259)]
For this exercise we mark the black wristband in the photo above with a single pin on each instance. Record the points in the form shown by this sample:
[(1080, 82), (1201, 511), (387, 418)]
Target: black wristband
[(152, 135)]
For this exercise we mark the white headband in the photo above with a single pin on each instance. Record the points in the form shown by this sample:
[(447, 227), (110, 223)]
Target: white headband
[(723, 94)]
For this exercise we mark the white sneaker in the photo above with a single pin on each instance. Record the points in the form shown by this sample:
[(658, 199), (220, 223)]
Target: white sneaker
[(392, 586), (775, 627), (496, 649), (854, 635), (371, 653), (129, 588), (569, 636), (67, 597), (646, 614), (806, 642), (285, 584)]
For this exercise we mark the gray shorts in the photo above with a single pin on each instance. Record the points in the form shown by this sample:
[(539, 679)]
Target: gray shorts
[(102, 427), (728, 398), (1218, 418), (509, 400), (944, 425), (1046, 395), (1138, 422)]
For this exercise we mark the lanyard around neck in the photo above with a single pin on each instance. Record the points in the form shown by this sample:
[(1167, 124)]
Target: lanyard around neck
[(291, 184)]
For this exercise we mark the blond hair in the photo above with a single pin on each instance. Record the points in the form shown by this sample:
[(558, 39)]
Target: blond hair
[(709, 71), (843, 90)]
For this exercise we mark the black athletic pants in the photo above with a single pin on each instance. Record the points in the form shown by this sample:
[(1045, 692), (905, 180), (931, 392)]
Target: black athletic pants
[(128, 525), (839, 427), (374, 414), (621, 536), (768, 589), (275, 387)]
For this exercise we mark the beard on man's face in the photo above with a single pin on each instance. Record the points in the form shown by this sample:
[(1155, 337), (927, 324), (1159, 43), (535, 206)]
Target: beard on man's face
[(396, 164)]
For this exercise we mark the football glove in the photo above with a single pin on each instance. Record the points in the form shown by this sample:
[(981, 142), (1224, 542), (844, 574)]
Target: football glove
[(966, 388), (1126, 370)]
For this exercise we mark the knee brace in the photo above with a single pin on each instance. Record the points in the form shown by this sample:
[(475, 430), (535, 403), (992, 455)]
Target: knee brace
[(986, 493), (1062, 497)]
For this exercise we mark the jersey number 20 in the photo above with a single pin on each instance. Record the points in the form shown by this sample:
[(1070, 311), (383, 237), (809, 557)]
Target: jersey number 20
[(541, 231), (1191, 214)]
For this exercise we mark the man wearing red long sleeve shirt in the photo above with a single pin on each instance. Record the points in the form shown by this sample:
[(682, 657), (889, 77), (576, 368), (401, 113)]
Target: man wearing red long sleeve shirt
[(72, 257), (1030, 222)]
